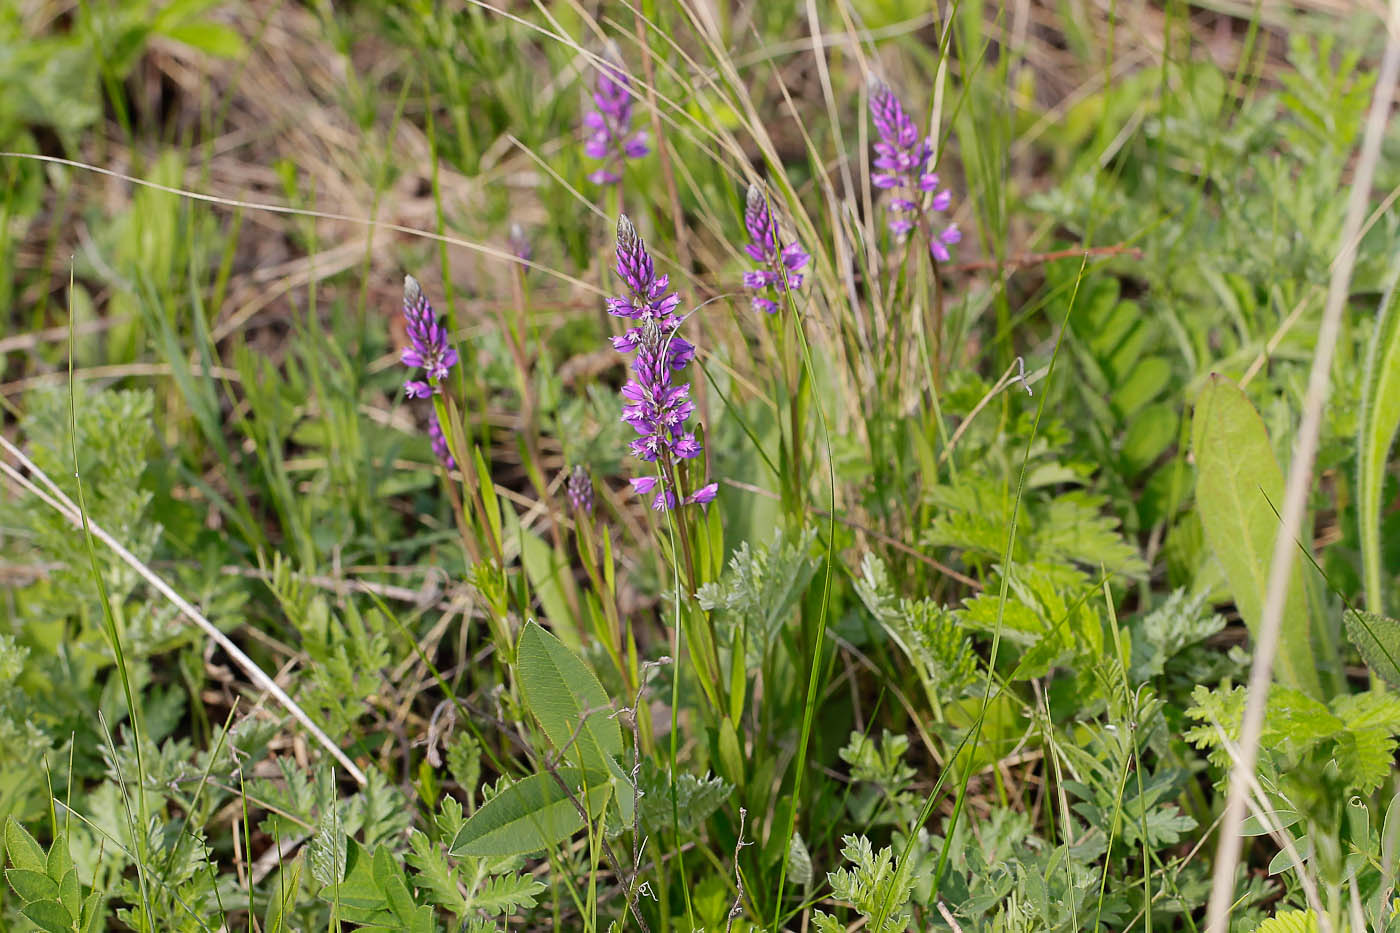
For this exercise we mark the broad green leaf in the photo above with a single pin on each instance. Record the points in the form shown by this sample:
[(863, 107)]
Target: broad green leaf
[(567, 699), (1378, 639), (359, 891), (49, 916), (211, 38), (1238, 487), (24, 852), (1380, 418), (532, 814), (31, 885)]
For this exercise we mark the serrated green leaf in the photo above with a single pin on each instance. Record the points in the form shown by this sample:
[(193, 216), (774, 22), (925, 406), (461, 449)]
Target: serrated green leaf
[(24, 852), (1239, 486), (1377, 637), (1289, 921), (507, 894), (434, 876), (567, 699), (31, 885), (533, 814)]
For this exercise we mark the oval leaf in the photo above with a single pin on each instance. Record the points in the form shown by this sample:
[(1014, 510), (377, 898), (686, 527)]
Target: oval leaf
[(23, 850), (567, 699), (1238, 487), (31, 885), (532, 814), (50, 916)]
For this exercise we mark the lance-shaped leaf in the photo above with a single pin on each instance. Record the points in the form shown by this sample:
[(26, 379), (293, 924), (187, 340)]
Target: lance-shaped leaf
[(1239, 486), (567, 699), (532, 814)]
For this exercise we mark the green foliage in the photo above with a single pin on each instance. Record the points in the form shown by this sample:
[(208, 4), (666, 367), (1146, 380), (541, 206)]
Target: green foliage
[(1239, 490), (1377, 637), (761, 588), (1289, 921), (1350, 740), (47, 884), (241, 427), (568, 701), (696, 799), (534, 813), (1377, 424), (928, 635), (875, 887)]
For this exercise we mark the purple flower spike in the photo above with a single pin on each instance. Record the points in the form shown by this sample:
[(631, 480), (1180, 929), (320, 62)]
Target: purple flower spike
[(780, 267), (610, 137), (428, 344), (579, 488), (903, 165), (520, 245), (655, 404), (428, 349)]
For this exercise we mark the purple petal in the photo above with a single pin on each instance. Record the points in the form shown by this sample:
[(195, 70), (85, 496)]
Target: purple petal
[(704, 495)]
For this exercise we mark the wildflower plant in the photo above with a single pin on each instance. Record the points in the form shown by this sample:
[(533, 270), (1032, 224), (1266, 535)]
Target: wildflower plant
[(430, 351), (779, 266), (611, 139), (904, 167), (656, 405)]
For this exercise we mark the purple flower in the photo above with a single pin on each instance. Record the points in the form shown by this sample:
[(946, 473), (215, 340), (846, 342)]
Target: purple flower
[(903, 166), (655, 404), (610, 136), (579, 488), (780, 267), (520, 245), (428, 347), (440, 448)]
